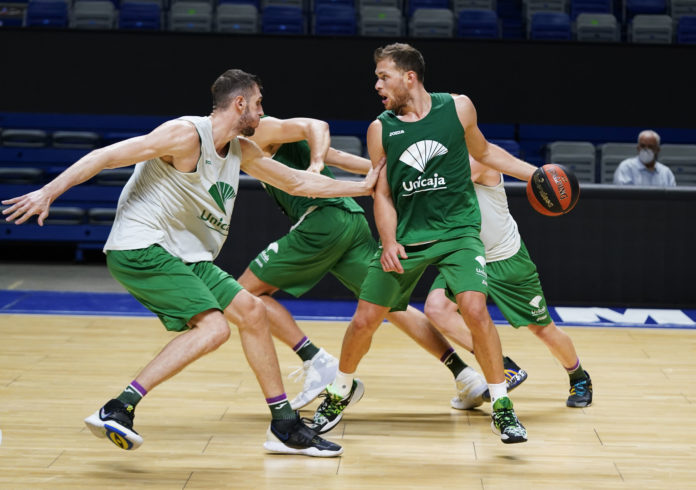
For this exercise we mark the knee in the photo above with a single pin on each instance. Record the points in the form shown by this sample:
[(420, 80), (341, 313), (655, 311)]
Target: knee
[(475, 313), (252, 313), (436, 306), (365, 325), (214, 329)]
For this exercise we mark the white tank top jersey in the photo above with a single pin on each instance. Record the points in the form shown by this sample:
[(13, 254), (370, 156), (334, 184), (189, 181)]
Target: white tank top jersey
[(498, 228), (188, 214)]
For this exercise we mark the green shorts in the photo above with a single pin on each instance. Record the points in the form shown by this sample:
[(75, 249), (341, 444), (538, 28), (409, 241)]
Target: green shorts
[(514, 286), (459, 260), (329, 240), (168, 287)]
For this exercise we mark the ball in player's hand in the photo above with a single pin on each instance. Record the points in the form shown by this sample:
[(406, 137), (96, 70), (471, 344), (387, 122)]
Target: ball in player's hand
[(553, 190)]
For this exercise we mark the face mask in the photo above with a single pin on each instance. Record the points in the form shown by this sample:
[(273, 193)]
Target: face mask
[(646, 156)]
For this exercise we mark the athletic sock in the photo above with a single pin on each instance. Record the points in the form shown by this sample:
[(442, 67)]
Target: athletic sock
[(305, 349), (497, 391), (280, 408), (453, 362), (576, 373), (342, 384), (133, 393)]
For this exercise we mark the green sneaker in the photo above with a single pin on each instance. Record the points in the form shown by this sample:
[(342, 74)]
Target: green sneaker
[(505, 422), (330, 411)]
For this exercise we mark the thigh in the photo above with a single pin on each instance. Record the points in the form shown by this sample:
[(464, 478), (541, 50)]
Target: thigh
[(298, 260), (163, 284), (515, 288), (463, 265), (351, 268)]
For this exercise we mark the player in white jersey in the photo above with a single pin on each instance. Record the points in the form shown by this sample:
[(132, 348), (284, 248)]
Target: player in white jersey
[(513, 283), (172, 219)]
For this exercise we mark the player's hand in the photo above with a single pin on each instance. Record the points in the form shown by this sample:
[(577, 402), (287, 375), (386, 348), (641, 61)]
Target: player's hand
[(24, 207), (390, 257), (315, 167), (373, 175)]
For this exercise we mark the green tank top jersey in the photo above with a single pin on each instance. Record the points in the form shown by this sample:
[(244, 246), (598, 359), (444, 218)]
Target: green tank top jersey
[(429, 175), (297, 155)]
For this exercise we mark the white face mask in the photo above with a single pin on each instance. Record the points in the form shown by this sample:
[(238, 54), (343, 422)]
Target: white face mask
[(646, 155)]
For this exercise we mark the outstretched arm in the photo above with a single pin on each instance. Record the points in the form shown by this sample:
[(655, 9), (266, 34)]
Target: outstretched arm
[(273, 132), (172, 140), (487, 153), (298, 182), (348, 162)]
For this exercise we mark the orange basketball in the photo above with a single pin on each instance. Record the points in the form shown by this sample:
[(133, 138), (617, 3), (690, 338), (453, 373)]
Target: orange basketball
[(553, 190)]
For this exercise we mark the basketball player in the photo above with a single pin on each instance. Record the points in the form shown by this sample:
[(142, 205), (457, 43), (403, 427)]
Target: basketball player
[(329, 236), (172, 219), (426, 214), (513, 283)]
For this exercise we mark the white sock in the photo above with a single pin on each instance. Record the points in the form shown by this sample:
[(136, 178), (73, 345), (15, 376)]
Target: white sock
[(497, 391), (342, 384)]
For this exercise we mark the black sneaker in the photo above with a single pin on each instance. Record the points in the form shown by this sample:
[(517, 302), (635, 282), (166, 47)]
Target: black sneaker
[(580, 393), (514, 376), (505, 423), (292, 436), (330, 411), (115, 421)]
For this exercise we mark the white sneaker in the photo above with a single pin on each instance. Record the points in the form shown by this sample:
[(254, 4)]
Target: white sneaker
[(470, 388), (317, 373)]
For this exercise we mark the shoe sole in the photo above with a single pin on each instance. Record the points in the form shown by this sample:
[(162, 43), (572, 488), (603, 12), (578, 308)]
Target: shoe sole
[(458, 404), (506, 439), (357, 396), (115, 432), (578, 405), (280, 448)]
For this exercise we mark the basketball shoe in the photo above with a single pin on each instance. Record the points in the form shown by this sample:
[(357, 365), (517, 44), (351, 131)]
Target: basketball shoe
[(330, 411), (580, 393), (514, 376), (470, 388), (505, 423), (317, 373), (115, 422), (292, 436)]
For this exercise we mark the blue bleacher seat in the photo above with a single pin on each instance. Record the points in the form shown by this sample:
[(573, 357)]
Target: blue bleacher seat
[(511, 146), (510, 17), (478, 23), (644, 7), (251, 2), (140, 15), (550, 26), (335, 20), (590, 6), (42, 13), (282, 20), (686, 30)]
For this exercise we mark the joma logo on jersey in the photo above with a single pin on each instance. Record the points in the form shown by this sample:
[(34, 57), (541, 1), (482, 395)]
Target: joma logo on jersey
[(222, 192), (218, 224), (421, 184), (394, 133)]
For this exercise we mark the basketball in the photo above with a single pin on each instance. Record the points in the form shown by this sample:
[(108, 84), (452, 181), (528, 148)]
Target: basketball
[(553, 190)]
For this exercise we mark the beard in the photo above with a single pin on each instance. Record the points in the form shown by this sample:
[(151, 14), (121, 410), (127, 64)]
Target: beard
[(247, 124), (398, 101)]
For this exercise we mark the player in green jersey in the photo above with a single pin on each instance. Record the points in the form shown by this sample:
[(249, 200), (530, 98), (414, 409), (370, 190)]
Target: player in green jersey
[(426, 214)]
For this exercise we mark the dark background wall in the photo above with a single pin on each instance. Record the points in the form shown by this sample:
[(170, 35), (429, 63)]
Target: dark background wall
[(510, 82)]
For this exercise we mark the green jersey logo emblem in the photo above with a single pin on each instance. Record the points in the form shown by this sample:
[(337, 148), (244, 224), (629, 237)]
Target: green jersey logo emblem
[(208, 162), (222, 192)]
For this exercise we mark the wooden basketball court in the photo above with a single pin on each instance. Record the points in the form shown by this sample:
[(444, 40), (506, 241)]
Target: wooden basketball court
[(205, 427)]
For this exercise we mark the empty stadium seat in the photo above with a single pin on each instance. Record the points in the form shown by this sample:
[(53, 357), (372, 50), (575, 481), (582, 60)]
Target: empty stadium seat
[(680, 8), (578, 7), (101, 216), (414, 5), (20, 175), (478, 23), (578, 156), (75, 139), (349, 144), (381, 21), (241, 18), (65, 215), (140, 15), (282, 20), (458, 5), (550, 26), (652, 29), (511, 146), (397, 4), (591, 27), (24, 138), (644, 7), (681, 159), (686, 30), (46, 13), (113, 176), (93, 14), (432, 22), (335, 20), (191, 16), (610, 155), (530, 7)]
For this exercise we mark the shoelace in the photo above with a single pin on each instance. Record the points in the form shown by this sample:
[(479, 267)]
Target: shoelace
[(299, 374), (331, 404), (579, 388), (505, 418)]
